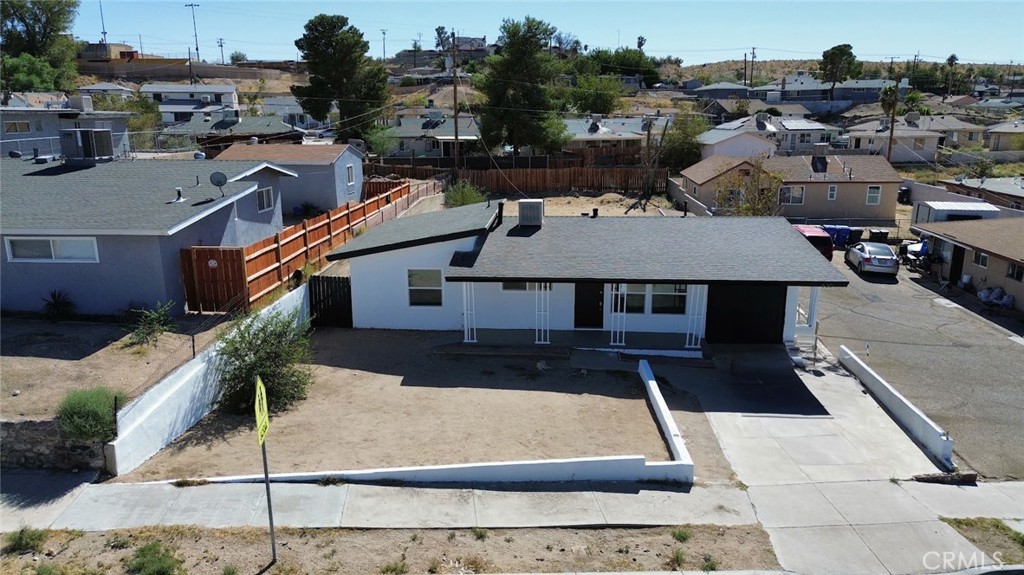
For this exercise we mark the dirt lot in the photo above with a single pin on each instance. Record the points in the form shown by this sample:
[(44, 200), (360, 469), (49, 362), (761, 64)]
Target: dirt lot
[(342, 551), (610, 204), (385, 399), (41, 360)]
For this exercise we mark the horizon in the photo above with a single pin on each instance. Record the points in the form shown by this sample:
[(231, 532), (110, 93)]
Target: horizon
[(934, 30)]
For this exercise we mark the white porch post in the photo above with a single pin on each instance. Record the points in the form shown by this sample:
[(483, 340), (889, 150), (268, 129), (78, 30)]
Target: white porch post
[(812, 306), (542, 305), (618, 315), (697, 305), (468, 313), (794, 314)]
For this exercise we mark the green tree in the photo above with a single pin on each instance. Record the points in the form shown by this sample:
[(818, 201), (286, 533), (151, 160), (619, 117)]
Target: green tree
[(837, 64), (950, 68), (26, 73), (753, 194), (443, 39), (237, 57), (40, 28), (625, 62), (463, 193), (596, 94), (517, 92), (340, 71), (381, 140), (145, 122), (890, 100), (681, 147)]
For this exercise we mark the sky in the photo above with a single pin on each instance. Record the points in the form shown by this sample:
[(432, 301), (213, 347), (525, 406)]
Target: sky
[(981, 31)]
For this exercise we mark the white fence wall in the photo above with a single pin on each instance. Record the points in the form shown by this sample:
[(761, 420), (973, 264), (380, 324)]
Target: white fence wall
[(935, 441), (669, 429), (179, 401)]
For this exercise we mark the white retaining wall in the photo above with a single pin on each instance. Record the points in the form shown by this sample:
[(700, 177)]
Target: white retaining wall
[(614, 468), (935, 441), (179, 401), (669, 429)]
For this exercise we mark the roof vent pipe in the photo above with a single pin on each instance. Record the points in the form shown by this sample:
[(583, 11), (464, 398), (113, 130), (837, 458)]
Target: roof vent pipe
[(501, 212), (179, 193), (594, 214)]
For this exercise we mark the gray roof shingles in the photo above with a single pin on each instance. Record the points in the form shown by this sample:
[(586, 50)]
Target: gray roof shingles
[(432, 227), (623, 249), (115, 197)]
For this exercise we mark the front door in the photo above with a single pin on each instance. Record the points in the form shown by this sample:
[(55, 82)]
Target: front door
[(589, 306), (956, 264)]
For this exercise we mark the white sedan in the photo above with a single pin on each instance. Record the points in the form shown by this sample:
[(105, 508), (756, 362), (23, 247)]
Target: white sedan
[(872, 257)]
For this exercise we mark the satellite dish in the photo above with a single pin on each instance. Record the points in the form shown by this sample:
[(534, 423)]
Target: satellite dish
[(219, 179)]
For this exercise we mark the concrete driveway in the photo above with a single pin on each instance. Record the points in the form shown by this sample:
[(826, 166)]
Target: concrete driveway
[(963, 370)]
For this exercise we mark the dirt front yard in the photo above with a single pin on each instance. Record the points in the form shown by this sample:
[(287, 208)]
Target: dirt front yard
[(215, 552), (42, 360), (610, 204), (385, 399)]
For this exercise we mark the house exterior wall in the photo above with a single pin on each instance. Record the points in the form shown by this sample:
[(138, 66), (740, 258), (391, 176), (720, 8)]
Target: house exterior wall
[(500, 309), (850, 202), (1002, 141), (805, 141), (707, 193), (45, 132), (380, 293), (993, 275), (129, 273), (326, 187), (903, 151), (742, 146)]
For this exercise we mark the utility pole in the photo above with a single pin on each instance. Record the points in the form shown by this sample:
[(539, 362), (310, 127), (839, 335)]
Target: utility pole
[(745, 69), (753, 56), (191, 74), (103, 23), (220, 42), (891, 60), (141, 51), (195, 31), (455, 101), (913, 69), (383, 44)]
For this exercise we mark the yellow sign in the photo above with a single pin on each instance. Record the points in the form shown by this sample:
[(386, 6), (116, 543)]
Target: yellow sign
[(262, 417)]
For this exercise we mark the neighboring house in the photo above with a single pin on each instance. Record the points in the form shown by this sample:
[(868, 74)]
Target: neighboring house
[(109, 234), (561, 280), (911, 142), (998, 105), (867, 90), (288, 110), (37, 100), (789, 134), (38, 131), (818, 187), (986, 90), (955, 132), (613, 141), (180, 102), (727, 109), (106, 89), (1005, 192), (991, 251), (801, 86), (328, 176), (721, 90), (702, 180), (432, 137), (735, 143), (217, 131), (1002, 137)]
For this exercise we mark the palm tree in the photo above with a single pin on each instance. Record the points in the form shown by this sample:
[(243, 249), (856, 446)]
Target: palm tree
[(950, 64), (890, 100)]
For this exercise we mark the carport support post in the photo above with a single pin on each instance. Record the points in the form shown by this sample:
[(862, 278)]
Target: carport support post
[(812, 306)]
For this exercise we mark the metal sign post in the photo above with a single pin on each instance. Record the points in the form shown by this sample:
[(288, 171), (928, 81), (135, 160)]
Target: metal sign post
[(262, 426)]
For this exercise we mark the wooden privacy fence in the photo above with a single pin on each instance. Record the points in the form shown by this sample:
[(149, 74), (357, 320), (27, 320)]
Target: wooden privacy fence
[(242, 277), (568, 180), (406, 171)]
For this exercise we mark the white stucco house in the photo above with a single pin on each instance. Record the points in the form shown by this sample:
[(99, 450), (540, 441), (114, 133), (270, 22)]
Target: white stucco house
[(542, 280), (734, 144)]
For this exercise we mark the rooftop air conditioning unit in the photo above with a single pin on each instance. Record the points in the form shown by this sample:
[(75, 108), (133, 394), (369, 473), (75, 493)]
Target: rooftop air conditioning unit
[(205, 98), (531, 212), (87, 144)]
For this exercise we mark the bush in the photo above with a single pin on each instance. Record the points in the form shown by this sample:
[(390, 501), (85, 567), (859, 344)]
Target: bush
[(154, 559), (150, 323), (58, 305), (88, 414), (463, 194), (25, 540), (274, 346)]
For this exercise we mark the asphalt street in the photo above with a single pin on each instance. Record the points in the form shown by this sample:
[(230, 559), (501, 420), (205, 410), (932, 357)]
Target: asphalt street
[(965, 371)]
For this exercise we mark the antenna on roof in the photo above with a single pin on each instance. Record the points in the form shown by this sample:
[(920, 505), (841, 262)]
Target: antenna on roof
[(219, 179)]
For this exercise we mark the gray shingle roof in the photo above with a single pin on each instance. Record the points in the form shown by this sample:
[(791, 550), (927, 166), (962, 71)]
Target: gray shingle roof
[(664, 250), (255, 125), (722, 86), (428, 228), (1003, 237), (188, 88), (116, 198), (417, 127)]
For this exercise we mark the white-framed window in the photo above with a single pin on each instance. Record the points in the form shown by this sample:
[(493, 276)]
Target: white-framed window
[(1015, 272), (17, 127), (981, 259), (874, 195), (833, 191), (425, 288), (791, 195), (264, 199), (972, 136), (668, 299), (350, 171), (520, 286), (54, 249), (636, 298), (805, 138), (435, 145)]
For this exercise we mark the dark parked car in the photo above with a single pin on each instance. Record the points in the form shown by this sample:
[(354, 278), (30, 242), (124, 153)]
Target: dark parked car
[(818, 237)]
